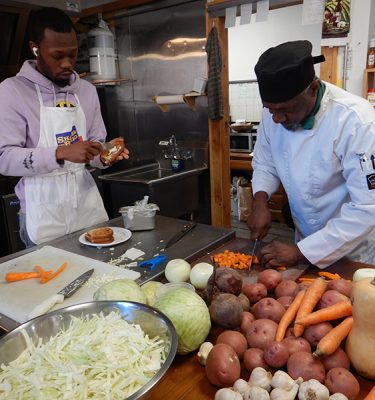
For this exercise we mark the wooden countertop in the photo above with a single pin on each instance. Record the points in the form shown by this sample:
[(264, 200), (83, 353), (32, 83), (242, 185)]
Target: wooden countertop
[(186, 378)]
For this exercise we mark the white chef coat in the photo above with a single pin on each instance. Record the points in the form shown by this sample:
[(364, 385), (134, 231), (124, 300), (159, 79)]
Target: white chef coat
[(67, 199), (331, 197)]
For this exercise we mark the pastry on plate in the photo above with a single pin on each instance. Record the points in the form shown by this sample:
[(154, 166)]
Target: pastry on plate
[(100, 235)]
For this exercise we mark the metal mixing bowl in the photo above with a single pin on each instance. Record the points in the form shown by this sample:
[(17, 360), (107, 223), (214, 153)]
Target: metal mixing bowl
[(152, 322)]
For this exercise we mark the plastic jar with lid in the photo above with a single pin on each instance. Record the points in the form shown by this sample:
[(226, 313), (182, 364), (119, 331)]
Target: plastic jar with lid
[(371, 96), (371, 54)]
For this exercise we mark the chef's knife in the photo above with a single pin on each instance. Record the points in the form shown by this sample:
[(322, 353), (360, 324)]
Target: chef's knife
[(175, 238), (59, 297), (253, 253)]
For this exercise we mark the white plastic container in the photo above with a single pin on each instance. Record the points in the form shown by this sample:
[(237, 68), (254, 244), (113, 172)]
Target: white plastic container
[(139, 217)]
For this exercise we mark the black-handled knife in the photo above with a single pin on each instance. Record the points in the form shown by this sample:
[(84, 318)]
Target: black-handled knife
[(175, 238)]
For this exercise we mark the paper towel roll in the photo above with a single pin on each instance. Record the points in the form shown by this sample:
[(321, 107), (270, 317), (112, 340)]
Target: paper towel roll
[(173, 99)]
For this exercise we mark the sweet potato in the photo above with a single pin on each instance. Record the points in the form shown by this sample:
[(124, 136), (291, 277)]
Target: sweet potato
[(331, 297), (341, 285), (261, 332), (276, 354), (303, 364), (236, 340), (314, 333), (226, 311), (254, 291), (340, 380), (268, 308), (270, 279), (336, 359), (253, 358), (296, 344), (286, 288)]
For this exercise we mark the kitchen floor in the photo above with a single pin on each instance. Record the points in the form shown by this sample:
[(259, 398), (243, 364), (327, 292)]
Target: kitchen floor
[(277, 231)]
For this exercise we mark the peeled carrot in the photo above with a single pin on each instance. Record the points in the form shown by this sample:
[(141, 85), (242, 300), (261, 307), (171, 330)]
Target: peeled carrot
[(289, 316), (54, 274), (371, 394), (42, 272), (329, 275), (19, 276), (313, 294), (336, 311), (329, 343)]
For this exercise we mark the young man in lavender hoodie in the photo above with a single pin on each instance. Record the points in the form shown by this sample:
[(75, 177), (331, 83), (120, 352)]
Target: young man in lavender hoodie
[(50, 128)]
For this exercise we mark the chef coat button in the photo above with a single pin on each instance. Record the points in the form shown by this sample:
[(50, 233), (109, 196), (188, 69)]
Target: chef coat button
[(306, 196)]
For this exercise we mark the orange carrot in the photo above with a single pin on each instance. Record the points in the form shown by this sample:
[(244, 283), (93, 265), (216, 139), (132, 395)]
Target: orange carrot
[(329, 275), (306, 279), (371, 394), (329, 343), (233, 260), (19, 276), (289, 316), (313, 294), (336, 311), (54, 274), (42, 272), (281, 268)]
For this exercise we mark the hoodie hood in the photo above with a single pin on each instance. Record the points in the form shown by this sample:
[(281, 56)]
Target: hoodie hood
[(29, 72)]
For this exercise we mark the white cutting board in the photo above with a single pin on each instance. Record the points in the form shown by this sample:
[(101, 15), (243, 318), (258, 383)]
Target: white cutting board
[(17, 299)]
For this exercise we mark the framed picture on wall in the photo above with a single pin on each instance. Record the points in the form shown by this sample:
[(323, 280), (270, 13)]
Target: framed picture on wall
[(336, 22)]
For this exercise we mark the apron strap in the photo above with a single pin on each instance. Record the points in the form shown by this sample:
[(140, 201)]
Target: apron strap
[(40, 95)]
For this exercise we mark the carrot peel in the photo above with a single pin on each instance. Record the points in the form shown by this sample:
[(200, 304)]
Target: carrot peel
[(46, 279)]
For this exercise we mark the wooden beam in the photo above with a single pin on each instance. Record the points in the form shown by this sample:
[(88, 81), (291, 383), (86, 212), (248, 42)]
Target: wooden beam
[(219, 141)]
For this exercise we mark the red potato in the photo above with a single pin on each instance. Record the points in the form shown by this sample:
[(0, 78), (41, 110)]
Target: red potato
[(303, 364), (340, 380), (276, 354), (261, 332), (336, 359), (223, 367), (290, 332), (341, 285), (247, 320), (286, 288), (234, 339), (226, 311), (270, 279), (331, 297), (268, 308), (285, 301), (254, 358), (296, 344), (245, 303), (254, 291), (314, 333)]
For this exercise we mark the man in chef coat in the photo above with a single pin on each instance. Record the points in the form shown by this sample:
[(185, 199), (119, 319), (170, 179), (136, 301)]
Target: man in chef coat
[(50, 128), (319, 141)]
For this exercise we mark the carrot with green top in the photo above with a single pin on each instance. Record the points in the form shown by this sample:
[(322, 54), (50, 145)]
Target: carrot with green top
[(313, 294), (336, 311)]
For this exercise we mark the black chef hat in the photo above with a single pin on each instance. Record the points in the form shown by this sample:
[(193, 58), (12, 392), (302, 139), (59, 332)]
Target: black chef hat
[(286, 70)]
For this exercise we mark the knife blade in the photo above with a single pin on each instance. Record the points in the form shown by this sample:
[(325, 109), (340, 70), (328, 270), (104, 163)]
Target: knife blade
[(59, 297), (253, 253), (176, 237)]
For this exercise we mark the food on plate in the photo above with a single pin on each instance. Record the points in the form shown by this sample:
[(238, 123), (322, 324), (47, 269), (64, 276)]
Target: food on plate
[(303, 364), (226, 311), (360, 342), (245, 303), (261, 332), (286, 288), (120, 290), (276, 354), (331, 297), (268, 308), (254, 358), (311, 298), (330, 313), (200, 273), (336, 359), (177, 270), (341, 285), (109, 156), (296, 344), (254, 291), (340, 380), (236, 340), (223, 367), (314, 333), (86, 362), (233, 260), (329, 343), (270, 279), (189, 315), (247, 320), (285, 301), (100, 235)]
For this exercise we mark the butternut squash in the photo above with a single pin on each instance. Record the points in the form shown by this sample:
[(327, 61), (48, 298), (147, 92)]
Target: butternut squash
[(360, 344)]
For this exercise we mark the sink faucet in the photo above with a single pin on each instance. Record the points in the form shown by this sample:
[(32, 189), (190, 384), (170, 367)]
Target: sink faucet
[(173, 143), (172, 150)]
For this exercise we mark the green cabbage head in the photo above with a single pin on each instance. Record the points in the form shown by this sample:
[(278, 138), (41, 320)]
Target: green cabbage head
[(121, 290)]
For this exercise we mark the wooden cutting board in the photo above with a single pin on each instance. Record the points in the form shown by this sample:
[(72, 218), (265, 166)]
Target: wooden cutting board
[(17, 299)]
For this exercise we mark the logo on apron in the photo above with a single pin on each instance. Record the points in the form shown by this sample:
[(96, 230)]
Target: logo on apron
[(370, 181), (67, 138)]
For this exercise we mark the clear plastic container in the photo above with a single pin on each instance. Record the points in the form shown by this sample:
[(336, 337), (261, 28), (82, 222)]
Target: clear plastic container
[(167, 287), (140, 217)]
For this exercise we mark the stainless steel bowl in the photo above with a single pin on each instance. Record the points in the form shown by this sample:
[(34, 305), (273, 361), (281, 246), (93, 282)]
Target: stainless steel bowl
[(152, 322)]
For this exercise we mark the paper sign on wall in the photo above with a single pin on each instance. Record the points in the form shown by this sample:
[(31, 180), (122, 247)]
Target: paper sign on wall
[(263, 7), (312, 12), (230, 17), (246, 11)]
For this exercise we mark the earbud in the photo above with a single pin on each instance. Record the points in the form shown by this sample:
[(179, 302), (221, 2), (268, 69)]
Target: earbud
[(35, 51)]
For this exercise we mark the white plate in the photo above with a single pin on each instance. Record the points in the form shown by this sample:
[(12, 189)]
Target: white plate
[(120, 235)]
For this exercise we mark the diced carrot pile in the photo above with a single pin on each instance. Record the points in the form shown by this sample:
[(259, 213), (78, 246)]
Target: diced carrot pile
[(233, 260)]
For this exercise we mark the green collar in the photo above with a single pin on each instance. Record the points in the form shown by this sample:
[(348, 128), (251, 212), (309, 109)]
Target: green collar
[(308, 122)]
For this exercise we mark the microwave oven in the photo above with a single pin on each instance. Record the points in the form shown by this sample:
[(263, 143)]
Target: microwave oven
[(241, 142)]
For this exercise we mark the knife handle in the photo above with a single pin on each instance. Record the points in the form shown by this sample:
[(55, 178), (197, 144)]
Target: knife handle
[(45, 305)]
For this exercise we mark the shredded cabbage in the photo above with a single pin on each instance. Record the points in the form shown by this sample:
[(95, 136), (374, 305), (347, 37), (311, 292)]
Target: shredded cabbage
[(97, 357)]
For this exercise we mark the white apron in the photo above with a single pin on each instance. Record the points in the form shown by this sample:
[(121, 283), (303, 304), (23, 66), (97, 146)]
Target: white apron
[(67, 199)]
